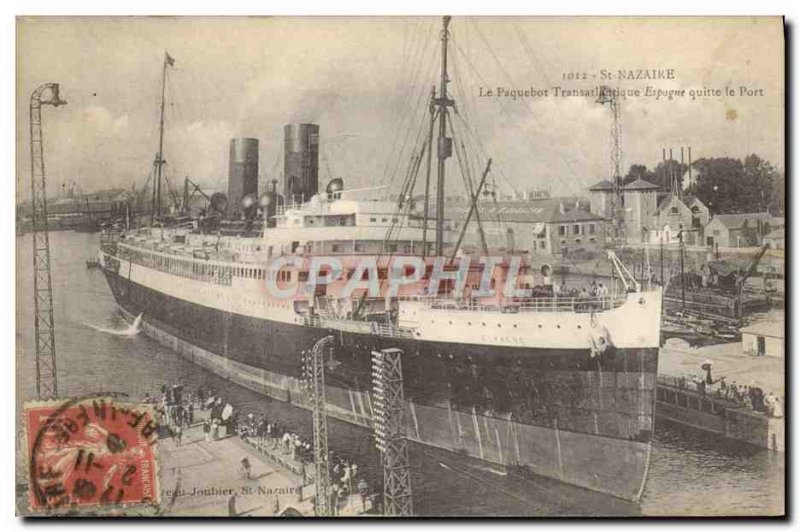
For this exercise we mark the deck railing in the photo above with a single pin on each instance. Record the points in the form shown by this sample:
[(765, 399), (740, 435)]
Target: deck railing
[(527, 305), (388, 330)]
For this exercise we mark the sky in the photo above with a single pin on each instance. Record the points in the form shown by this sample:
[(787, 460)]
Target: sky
[(366, 81)]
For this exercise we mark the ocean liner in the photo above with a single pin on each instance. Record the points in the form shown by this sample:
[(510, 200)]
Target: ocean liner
[(528, 378)]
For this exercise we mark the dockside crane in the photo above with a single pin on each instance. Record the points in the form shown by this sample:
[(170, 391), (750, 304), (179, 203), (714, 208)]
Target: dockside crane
[(740, 281), (46, 374), (610, 97)]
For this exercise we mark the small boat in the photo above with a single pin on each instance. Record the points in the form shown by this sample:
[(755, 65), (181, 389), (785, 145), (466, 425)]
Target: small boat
[(92, 264)]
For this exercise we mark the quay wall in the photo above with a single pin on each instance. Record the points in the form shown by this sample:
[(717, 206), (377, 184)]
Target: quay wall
[(689, 409)]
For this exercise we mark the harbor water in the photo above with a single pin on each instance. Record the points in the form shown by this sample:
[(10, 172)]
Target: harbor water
[(690, 473)]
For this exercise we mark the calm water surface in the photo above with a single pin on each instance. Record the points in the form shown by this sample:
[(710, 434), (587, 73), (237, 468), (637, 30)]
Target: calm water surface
[(690, 474)]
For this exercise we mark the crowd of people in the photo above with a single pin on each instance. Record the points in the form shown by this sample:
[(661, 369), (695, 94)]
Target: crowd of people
[(743, 395), (176, 410), (594, 290), (265, 434)]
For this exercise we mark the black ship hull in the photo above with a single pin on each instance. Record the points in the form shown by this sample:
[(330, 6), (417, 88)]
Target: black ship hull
[(558, 413)]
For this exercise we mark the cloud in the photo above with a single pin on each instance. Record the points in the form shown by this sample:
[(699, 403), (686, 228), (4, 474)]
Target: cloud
[(366, 82)]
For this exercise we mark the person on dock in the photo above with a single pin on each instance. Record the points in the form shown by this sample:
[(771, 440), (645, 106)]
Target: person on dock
[(774, 407), (757, 399), (285, 440), (363, 491), (232, 506), (276, 506), (177, 434), (334, 498), (207, 430), (190, 413), (201, 397), (245, 468), (261, 431), (751, 395), (701, 386), (707, 368)]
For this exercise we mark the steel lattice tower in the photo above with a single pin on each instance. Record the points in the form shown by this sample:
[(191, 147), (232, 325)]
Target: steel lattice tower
[(388, 414), (46, 374), (314, 372), (608, 96)]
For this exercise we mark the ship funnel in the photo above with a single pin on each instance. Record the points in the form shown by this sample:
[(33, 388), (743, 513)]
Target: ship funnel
[(301, 161), (242, 176)]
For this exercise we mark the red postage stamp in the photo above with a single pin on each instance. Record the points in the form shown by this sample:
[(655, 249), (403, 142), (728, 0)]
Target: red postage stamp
[(91, 452)]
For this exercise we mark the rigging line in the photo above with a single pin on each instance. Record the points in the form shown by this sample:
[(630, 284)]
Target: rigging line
[(420, 131), (396, 217), (472, 132), (538, 67), (176, 110), (500, 221), (395, 109), (402, 108), (527, 106), (147, 182), (408, 186), (532, 55), (422, 91), (463, 118), (409, 43), (402, 204), (423, 66), (475, 135), (405, 56), (470, 186), (524, 101)]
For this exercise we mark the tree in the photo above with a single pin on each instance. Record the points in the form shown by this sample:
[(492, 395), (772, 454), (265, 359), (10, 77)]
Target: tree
[(728, 185), (660, 176), (764, 184), (637, 171)]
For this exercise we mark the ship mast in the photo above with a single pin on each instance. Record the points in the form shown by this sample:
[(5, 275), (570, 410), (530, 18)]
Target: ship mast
[(159, 160), (445, 143)]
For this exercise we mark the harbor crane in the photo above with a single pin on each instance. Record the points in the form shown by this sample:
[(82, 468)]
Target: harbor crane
[(610, 97), (46, 374)]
